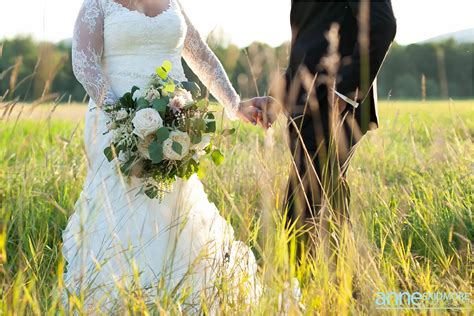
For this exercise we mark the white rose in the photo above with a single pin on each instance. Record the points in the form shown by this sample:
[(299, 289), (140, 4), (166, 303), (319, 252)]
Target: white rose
[(180, 138), (121, 115), (146, 122), (205, 141)]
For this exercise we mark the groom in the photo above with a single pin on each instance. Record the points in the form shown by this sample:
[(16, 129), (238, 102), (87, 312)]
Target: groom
[(337, 50)]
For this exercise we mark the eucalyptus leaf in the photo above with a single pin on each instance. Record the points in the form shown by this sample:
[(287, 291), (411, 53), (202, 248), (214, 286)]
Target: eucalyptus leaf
[(162, 134), (156, 152), (109, 153), (142, 103), (160, 105), (196, 138), (177, 147)]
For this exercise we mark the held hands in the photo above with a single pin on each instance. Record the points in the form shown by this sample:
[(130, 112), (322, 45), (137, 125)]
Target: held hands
[(260, 110)]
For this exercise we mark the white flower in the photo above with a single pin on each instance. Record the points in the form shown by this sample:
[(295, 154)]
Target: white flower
[(146, 122), (121, 115), (152, 94), (188, 97), (180, 100), (205, 141), (180, 138), (177, 103)]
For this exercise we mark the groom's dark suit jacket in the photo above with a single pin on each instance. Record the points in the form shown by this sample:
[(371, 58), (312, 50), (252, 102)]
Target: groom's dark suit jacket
[(310, 20)]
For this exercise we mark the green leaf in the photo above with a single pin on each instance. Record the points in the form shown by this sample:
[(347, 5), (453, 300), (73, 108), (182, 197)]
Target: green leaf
[(126, 168), (190, 105), (210, 116), (202, 104), (211, 127), (217, 157), (151, 193), (228, 132), (109, 153), (134, 89), (162, 134), (162, 73), (160, 105), (199, 124), (177, 147), (167, 66), (142, 103), (170, 87), (196, 138), (201, 172), (156, 152), (210, 120), (127, 100)]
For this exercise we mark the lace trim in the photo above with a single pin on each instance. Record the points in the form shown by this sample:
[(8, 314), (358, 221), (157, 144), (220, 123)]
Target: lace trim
[(120, 6)]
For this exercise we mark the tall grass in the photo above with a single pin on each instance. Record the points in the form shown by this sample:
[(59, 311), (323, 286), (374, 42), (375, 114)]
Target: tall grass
[(412, 201)]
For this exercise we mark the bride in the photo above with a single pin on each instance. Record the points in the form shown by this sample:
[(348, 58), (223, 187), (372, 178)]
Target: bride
[(118, 241)]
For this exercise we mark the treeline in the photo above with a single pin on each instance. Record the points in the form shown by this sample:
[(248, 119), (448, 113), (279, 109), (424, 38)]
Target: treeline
[(42, 71)]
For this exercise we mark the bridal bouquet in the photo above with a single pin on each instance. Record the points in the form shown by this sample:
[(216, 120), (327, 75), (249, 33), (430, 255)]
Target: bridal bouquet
[(162, 134)]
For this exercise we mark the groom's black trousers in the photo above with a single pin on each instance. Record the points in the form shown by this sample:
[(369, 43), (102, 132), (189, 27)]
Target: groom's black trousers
[(321, 153)]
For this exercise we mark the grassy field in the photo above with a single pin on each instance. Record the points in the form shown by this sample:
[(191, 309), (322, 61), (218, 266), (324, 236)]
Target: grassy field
[(412, 184)]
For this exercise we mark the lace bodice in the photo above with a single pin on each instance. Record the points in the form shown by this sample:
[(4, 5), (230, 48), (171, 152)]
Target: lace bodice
[(114, 48)]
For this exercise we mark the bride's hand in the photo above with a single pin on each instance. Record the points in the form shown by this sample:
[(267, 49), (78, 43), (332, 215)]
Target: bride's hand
[(258, 111)]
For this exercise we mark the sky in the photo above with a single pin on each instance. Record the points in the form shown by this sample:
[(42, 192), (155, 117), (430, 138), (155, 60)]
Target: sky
[(243, 21)]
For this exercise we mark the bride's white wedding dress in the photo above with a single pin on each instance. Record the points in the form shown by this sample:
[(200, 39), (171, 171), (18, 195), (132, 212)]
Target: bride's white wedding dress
[(118, 239)]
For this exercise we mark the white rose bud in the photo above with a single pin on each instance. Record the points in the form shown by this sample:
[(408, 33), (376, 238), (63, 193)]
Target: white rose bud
[(121, 115), (180, 138), (146, 122), (152, 94)]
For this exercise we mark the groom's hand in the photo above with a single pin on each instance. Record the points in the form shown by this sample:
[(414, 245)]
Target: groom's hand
[(248, 113), (260, 110)]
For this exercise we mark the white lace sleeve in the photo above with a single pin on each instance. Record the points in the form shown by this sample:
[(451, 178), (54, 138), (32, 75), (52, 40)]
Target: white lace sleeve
[(205, 64), (87, 48)]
